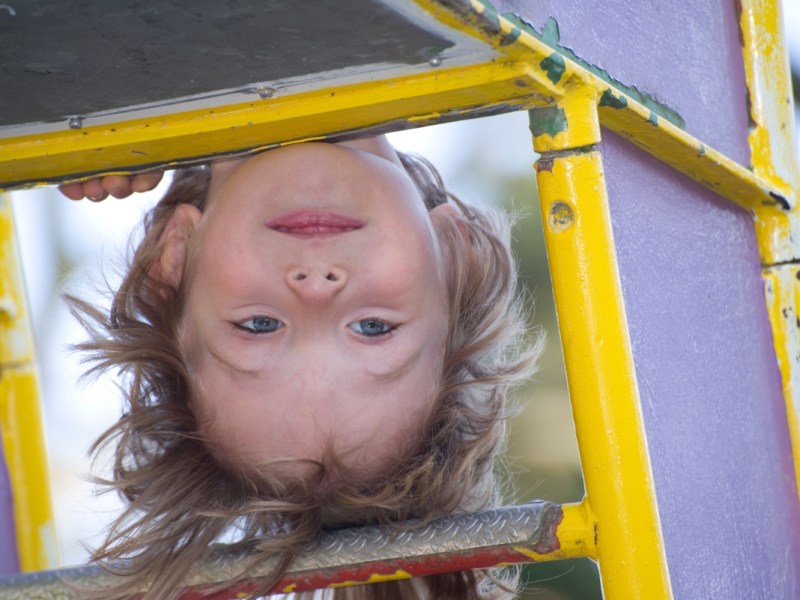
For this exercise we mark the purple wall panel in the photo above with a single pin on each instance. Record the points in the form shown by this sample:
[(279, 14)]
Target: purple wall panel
[(9, 563), (684, 53), (709, 383)]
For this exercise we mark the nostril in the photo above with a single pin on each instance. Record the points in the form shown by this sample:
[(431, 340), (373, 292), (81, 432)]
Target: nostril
[(299, 276), (331, 277)]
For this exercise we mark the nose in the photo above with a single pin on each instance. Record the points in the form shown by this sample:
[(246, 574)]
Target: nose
[(316, 284)]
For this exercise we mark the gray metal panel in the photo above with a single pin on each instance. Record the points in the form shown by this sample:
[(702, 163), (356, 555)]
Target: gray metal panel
[(61, 58)]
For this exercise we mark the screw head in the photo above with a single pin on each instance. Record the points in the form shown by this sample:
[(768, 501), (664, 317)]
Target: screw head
[(263, 91), (435, 61), (75, 122)]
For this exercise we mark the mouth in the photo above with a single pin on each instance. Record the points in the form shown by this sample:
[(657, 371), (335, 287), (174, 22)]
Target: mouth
[(314, 222)]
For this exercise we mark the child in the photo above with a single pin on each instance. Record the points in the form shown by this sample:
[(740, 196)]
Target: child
[(316, 336)]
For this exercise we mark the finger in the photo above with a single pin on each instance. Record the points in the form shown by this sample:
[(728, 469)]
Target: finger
[(118, 186), (144, 182), (73, 191), (93, 190)]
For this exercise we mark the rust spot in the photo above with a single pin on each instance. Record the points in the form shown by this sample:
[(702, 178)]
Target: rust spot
[(520, 83), (546, 164), (548, 541)]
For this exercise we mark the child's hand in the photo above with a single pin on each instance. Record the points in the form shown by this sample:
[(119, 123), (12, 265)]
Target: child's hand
[(119, 186)]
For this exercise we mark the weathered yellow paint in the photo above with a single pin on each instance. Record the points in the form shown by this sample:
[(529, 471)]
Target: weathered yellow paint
[(576, 535), (602, 383), (374, 578), (772, 152), (582, 128), (631, 119), (289, 588), (766, 65), (782, 290), (20, 414)]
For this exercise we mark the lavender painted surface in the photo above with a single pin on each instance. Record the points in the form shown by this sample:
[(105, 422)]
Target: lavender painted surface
[(684, 53), (708, 380), (9, 562)]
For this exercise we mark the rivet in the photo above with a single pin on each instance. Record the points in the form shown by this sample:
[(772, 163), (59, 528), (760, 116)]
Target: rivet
[(435, 61), (75, 122), (561, 216), (263, 91)]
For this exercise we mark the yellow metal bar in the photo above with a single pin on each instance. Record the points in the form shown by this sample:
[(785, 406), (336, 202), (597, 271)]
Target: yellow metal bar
[(20, 414), (576, 534), (600, 371), (145, 143), (618, 111), (772, 150)]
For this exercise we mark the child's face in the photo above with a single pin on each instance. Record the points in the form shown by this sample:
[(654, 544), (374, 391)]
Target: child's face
[(316, 314)]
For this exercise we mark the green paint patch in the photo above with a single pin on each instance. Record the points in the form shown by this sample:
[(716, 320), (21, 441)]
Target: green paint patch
[(554, 66), (551, 35), (653, 119), (550, 32), (511, 37), (609, 99), (702, 150), (547, 121)]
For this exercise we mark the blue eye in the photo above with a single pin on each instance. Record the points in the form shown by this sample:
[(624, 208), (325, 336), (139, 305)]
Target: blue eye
[(260, 325), (371, 327)]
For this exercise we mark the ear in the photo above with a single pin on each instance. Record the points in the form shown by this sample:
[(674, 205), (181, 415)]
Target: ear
[(181, 227)]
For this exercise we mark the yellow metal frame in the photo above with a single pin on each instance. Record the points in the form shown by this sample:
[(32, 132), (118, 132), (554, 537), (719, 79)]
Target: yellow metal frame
[(618, 522), (772, 153), (20, 413)]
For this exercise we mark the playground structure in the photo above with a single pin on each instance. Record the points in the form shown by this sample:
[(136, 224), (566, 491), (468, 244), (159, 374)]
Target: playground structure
[(670, 220)]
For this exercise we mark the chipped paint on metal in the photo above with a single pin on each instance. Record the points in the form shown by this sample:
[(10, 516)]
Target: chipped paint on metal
[(772, 151), (554, 66), (548, 121), (374, 578), (609, 99), (550, 35)]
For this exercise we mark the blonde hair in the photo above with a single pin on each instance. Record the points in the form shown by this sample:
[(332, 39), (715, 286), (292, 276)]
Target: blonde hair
[(181, 498)]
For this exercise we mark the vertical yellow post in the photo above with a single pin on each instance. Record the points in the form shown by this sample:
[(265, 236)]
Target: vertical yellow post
[(597, 350), (772, 152), (20, 414)]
